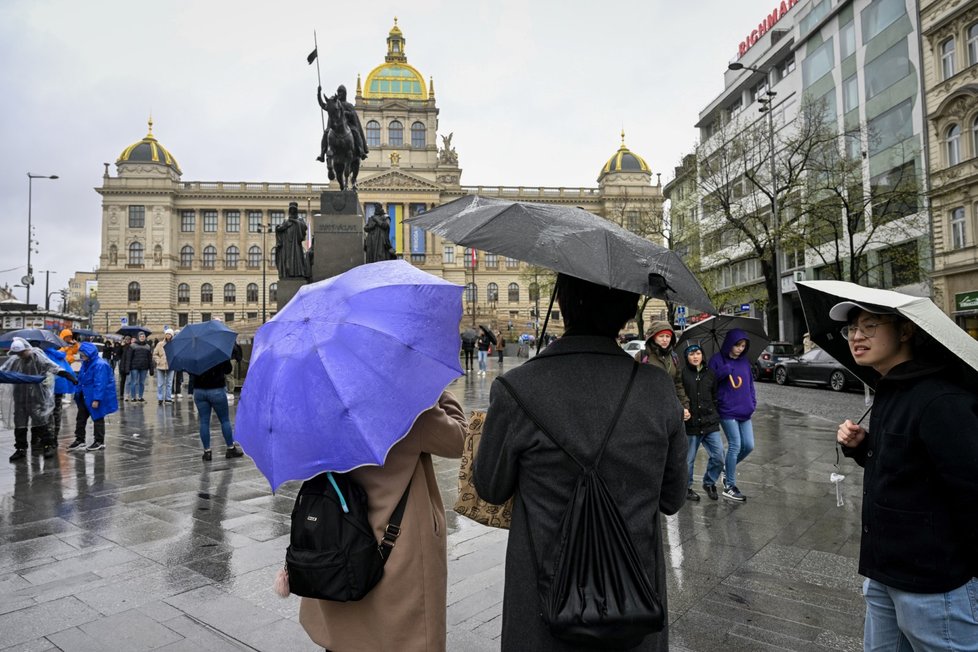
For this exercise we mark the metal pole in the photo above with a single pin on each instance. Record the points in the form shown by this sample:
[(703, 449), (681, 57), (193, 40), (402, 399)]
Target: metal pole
[(47, 296), (775, 223), (30, 237)]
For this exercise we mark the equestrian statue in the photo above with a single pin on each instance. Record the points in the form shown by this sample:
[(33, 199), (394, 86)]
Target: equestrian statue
[(343, 145)]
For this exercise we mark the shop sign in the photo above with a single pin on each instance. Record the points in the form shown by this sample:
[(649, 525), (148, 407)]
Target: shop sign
[(766, 24), (966, 301)]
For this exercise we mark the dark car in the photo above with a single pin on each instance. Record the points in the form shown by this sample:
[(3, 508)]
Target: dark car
[(816, 367), (773, 353)]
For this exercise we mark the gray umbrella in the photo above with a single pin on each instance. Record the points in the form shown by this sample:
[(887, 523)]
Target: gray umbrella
[(568, 240)]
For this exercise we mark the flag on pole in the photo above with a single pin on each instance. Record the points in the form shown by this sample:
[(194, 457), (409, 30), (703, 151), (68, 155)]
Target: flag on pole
[(312, 55)]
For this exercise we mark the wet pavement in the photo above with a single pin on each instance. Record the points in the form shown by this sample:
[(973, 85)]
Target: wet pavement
[(143, 546)]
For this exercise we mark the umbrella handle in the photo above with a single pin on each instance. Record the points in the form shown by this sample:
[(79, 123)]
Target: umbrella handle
[(329, 476)]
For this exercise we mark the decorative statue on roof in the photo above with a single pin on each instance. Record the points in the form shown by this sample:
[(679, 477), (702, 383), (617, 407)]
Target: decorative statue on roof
[(344, 144), (447, 153), (290, 257)]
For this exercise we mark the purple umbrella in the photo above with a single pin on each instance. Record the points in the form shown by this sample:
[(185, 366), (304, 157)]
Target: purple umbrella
[(340, 374)]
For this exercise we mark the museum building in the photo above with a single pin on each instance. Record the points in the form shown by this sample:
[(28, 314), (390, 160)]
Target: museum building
[(175, 252)]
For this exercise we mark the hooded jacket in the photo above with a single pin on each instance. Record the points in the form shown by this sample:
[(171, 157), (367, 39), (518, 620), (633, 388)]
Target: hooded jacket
[(70, 351), (61, 385), (97, 383), (919, 513), (701, 388), (138, 357), (665, 358), (735, 386)]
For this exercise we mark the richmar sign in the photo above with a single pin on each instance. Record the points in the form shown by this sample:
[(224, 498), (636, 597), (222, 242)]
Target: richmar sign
[(966, 301), (766, 25)]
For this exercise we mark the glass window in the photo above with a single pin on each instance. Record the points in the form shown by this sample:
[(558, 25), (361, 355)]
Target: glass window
[(229, 293), (136, 254), (786, 66), (206, 294), (512, 263), (879, 15), (893, 194), (254, 221), (276, 218), (232, 221), (892, 127), (471, 293), (957, 228), (492, 261), (186, 256), (254, 256), (210, 221), (231, 256), (395, 133), (812, 18), (418, 134), (850, 94), (900, 265), (183, 293), (952, 141), (887, 69), (818, 64), (210, 257), (514, 292), (134, 291), (492, 292), (847, 39), (448, 255), (252, 292), (273, 294), (947, 58), (182, 319), (974, 137), (133, 318), (137, 217), (973, 44), (188, 221), (228, 316), (471, 259), (373, 133)]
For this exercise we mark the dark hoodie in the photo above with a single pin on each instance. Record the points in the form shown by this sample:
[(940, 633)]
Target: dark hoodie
[(735, 387), (701, 388)]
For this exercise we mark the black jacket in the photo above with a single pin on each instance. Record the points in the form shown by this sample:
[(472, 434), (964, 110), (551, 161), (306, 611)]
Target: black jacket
[(919, 513), (213, 377), (138, 357), (701, 389)]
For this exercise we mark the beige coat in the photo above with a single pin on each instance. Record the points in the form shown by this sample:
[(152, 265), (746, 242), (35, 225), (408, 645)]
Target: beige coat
[(406, 610), (159, 356)]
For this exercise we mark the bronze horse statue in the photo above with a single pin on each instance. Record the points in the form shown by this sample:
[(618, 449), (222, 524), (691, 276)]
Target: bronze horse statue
[(342, 162)]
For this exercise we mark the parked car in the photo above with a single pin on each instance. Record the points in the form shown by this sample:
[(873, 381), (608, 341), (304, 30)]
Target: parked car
[(815, 367), (633, 347), (772, 354)]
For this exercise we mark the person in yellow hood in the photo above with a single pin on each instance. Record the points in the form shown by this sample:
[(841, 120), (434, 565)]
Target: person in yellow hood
[(70, 351)]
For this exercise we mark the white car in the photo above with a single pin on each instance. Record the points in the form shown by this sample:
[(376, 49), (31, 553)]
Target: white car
[(633, 347)]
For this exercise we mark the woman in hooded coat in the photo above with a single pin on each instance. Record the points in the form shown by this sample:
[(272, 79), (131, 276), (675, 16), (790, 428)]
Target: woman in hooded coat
[(736, 402)]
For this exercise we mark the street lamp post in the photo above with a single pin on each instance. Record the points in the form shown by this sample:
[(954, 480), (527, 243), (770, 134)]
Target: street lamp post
[(30, 230), (767, 107)]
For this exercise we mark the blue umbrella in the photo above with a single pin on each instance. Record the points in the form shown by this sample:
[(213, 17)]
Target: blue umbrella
[(83, 332), (36, 336), (198, 347), (12, 377), (133, 331), (340, 374)]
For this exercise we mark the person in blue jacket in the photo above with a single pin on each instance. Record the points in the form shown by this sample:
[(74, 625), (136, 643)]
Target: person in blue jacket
[(62, 386), (736, 402), (96, 398)]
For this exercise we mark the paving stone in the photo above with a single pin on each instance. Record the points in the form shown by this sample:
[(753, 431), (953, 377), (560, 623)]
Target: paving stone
[(222, 611), (280, 636), (197, 636), (42, 619), (128, 631)]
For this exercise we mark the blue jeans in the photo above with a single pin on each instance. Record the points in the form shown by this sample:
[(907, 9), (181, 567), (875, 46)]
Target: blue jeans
[(164, 384), (205, 399), (137, 383), (740, 443), (483, 355), (899, 621), (714, 448)]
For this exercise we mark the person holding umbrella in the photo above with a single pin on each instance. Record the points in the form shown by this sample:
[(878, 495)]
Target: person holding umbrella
[(96, 397), (736, 402), (468, 348), (919, 514)]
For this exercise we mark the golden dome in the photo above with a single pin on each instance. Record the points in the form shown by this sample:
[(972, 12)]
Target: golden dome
[(395, 77), (149, 150), (625, 160)]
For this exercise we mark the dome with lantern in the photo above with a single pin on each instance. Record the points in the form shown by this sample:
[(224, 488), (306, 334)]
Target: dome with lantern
[(625, 161), (395, 78), (148, 151)]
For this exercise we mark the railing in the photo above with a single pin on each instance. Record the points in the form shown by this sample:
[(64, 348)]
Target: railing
[(251, 187), (534, 192)]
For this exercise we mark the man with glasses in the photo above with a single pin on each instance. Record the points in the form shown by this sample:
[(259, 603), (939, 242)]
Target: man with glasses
[(919, 547)]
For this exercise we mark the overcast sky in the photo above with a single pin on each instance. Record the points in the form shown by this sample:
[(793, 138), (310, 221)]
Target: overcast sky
[(536, 93)]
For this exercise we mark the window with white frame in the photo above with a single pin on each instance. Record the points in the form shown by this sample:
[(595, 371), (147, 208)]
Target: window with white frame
[(512, 263), (229, 293), (850, 94), (206, 293), (952, 143), (251, 292), (137, 217), (254, 256), (958, 232), (183, 293), (448, 255), (210, 221), (973, 44), (136, 254), (254, 221), (974, 137), (741, 273), (947, 58), (395, 133), (492, 292), (232, 221), (188, 221), (847, 39), (373, 133), (210, 257), (879, 15), (231, 256), (186, 256)]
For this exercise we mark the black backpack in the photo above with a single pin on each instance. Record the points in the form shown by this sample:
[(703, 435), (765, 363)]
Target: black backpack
[(595, 591), (333, 554)]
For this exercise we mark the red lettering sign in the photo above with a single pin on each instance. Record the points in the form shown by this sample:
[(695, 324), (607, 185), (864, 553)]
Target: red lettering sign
[(766, 25)]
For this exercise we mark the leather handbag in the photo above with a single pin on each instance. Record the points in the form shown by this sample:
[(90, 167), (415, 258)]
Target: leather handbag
[(468, 503)]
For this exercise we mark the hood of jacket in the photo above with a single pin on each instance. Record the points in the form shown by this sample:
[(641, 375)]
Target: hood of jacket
[(734, 335), (56, 354), (657, 326), (90, 351)]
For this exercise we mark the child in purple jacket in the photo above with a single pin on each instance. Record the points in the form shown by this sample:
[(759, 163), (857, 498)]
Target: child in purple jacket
[(736, 402)]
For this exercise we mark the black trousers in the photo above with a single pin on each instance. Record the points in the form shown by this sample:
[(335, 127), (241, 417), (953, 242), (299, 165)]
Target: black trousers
[(82, 420), (40, 432), (469, 356), (55, 423)]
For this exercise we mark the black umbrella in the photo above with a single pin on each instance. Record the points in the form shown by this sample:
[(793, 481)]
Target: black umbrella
[(489, 334), (470, 335), (569, 240), (36, 336), (83, 332), (133, 331), (710, 333)]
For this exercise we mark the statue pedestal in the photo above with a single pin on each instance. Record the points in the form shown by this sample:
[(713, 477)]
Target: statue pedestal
[(287, 287), (337, 235)]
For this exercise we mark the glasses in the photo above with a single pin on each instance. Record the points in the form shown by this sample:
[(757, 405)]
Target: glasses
[(868, 330)]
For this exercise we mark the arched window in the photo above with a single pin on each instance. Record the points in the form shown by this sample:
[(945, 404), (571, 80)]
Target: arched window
[(471, 293), (395, 133), (136, 253), (514, 292), (271, 255), (418, 134), (952, 139), (206, 293), (158, 255), (210, 256), (134, 291), (252, 292), (492, 292), (186, 256), (273, 292), (254, 256), (534, 292), (113, 255), (373, 133), (229, 292), (231, 258), (183, 293)]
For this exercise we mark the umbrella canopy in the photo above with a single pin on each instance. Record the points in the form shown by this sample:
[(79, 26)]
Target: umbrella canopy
[(469, 335), (569, 240), (489, 334), (710, 333), (133, 331), (951, 342), (198, 347), (83, 332), (340, 374), (36, 336)]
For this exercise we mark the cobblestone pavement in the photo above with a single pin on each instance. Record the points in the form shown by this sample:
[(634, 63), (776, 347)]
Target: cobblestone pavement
[(143, 547)]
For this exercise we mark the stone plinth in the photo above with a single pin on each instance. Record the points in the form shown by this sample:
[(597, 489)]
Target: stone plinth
[(287, 287), (337, 235)]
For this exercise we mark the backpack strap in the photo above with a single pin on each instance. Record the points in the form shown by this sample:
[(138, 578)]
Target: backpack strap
[(393, 529)]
